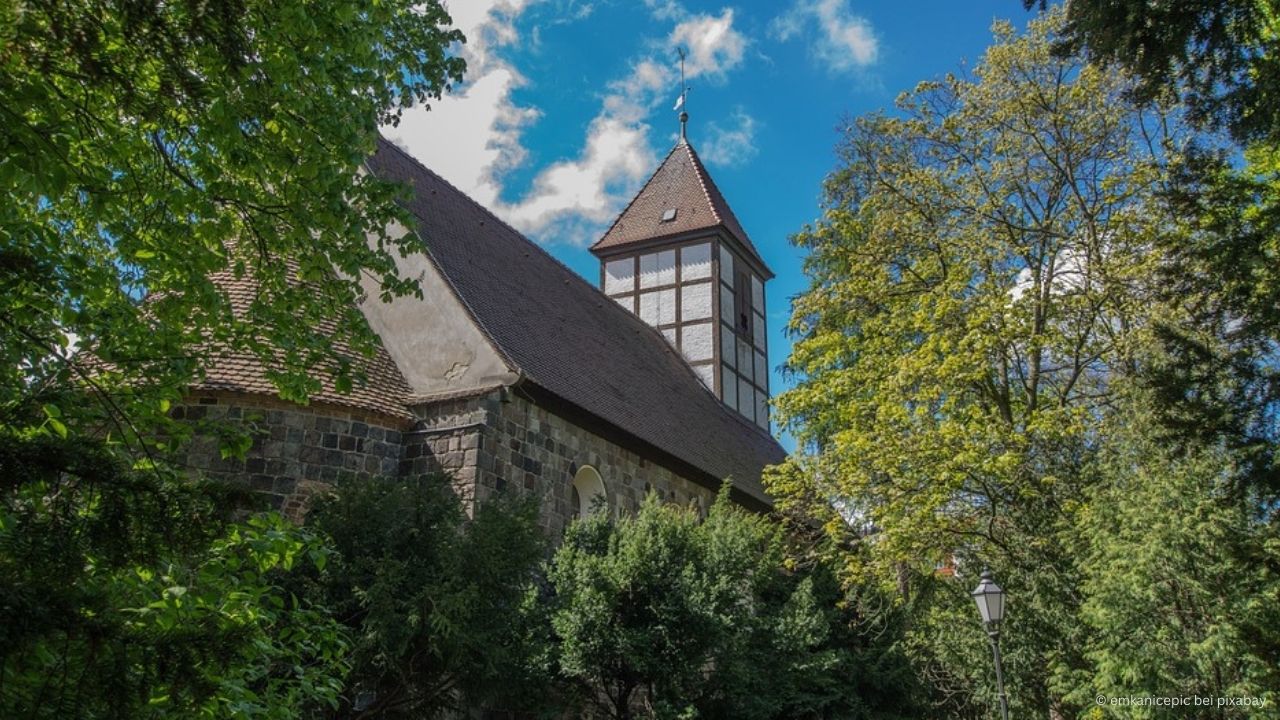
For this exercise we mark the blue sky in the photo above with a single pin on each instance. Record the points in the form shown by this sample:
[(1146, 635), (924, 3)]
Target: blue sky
[(567, 107)]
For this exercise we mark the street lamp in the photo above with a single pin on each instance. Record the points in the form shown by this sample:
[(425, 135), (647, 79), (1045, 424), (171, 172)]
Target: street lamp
[(990, 600)]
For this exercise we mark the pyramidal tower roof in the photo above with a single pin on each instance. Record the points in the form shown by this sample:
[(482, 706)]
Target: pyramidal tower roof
[(679, 198)]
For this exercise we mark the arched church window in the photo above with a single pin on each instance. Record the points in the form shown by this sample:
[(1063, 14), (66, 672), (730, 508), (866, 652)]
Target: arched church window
[(588, 492)]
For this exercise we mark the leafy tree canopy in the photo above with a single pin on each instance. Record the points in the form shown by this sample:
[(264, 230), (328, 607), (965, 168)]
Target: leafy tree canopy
[(1223, 56), (148, 152), (148, 146), (667, 615), (124, 594), (1015, 296), (432, 600)]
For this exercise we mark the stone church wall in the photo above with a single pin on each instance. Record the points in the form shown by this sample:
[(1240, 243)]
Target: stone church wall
[(296, 450), (494, 442)]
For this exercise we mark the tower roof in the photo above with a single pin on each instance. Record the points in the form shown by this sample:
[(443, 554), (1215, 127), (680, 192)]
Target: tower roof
[(681, 183)]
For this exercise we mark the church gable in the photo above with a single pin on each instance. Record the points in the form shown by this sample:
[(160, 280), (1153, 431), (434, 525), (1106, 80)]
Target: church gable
[(434, 339)]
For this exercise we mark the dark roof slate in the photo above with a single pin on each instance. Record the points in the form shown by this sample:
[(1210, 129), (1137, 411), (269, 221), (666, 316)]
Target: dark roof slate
[(681, 183), (569, 339)]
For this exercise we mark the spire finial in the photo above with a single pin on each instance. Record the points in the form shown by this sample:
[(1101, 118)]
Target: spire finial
[(684, 93)]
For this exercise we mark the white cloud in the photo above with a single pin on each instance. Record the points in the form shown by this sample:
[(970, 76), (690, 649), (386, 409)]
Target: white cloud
[(714, 46), (731, 146), (588, 188), (572, 199), (665, 9), (472, 137), (843, 41)]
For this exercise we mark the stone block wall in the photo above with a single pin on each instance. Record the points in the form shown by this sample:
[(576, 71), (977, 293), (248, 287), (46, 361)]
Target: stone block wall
[(296, 450), (501, 442), (495, 442)]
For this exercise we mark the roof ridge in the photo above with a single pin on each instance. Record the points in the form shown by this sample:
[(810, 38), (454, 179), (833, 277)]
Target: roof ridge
[(500, 221), (700, 171)]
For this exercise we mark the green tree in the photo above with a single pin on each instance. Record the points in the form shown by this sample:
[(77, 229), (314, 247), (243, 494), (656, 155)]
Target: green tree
[(149, 146), (149, 150), (125, 597), (1217, 380), (433, 601), (667, 615), (980, 280), (1180, 580), (1222, 56)]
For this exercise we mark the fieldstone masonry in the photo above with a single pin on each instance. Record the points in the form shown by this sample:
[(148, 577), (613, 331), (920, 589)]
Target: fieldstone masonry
[(296, 450), (501, 442), (492, 442)]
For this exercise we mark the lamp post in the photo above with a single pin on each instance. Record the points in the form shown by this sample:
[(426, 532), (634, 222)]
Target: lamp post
[(990, 600)]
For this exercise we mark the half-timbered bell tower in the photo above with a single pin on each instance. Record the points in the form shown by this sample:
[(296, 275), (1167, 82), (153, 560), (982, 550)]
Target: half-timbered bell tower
[(679, 259)]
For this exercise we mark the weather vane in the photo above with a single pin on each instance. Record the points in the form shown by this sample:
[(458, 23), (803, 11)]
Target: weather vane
[(684, 92)]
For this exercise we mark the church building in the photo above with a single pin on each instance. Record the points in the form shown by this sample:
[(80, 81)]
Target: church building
[(513, 373)]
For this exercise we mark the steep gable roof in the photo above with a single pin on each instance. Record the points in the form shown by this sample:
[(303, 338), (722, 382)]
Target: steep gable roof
[(680, 183), (569, 339)]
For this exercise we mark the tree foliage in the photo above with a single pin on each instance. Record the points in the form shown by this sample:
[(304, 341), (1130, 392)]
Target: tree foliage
[(433, 601), (152, 151), (1217, 380), (994, 285), (975, 284), (1180, 573), (149, 146), (667, 615), (1222, 56), (125, 594)]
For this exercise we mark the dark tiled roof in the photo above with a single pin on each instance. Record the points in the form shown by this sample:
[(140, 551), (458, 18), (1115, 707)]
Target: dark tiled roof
[(384, 390), (681, 183), (569, 339)]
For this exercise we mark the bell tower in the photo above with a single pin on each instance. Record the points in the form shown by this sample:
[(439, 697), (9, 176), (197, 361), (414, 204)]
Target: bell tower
[(678, 257)]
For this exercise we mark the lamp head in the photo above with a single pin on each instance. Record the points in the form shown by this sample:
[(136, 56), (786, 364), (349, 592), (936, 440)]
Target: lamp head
[(990, 599)]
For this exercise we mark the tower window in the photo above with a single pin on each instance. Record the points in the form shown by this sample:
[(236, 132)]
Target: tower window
[(742, 303)]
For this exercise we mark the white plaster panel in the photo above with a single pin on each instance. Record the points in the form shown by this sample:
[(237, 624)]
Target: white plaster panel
[(727, 354), (757, 330), (620, 276), (658, 307), (729, 386), (762, 410), (757, 294), (726, 305), (746, 396), (726, 265), (762, 370), (658, 269), (696, 342), (695, 262), (670, 335), (744, 358), (432, 339), (706, 373), (695, 302), (627, 301)]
